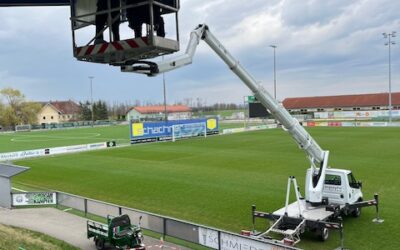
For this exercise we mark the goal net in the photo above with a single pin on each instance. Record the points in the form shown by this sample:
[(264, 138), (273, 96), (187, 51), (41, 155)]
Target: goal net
[(23, 128), (187, 130)]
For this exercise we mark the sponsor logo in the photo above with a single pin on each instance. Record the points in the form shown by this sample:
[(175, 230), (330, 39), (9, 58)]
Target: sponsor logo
[(137, 129), (211, 124), (29, 199)]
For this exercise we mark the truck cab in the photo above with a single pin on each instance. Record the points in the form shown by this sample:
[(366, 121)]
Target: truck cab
[(340, 186)]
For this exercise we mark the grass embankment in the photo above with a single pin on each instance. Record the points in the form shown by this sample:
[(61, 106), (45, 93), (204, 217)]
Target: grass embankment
[(18, 238), (214, 181)]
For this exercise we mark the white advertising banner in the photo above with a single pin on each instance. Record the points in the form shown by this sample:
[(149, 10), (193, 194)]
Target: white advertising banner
[(21, 154), (52, 151), (34, 199), (209, 238), (356, 114), (251, 128)]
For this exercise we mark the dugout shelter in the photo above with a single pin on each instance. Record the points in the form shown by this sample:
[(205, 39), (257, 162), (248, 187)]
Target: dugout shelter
[(7, 171)]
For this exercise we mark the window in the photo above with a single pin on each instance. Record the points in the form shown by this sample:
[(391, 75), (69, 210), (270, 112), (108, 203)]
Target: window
[(352, 181), (333, 180), (52, 117), (44, 117)]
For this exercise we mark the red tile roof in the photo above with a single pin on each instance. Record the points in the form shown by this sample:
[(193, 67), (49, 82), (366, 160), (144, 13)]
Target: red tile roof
[(66, 107), (364, 100), (160, 109)]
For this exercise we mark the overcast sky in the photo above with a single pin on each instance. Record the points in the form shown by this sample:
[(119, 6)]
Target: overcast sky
[(325, 47)]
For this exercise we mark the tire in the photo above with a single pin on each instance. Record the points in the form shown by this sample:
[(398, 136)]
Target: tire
[(323, 234), (357, 211), (99, 243)]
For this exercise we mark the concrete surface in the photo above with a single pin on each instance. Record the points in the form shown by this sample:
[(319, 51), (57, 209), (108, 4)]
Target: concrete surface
[(64, 226)]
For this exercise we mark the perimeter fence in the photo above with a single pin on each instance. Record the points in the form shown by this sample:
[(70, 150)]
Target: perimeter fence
[(167, 226)]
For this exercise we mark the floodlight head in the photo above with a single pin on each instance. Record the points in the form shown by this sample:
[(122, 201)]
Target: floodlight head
[(384, 35), (273, 46), (386, 44)]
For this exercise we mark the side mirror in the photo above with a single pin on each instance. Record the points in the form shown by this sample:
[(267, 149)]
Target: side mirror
[(359, 184)]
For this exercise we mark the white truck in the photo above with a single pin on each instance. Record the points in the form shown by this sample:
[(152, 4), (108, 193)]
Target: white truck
[(329, 192)]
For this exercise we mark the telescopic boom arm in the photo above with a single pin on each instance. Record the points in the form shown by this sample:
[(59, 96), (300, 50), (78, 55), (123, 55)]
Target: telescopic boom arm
[(317, 156)]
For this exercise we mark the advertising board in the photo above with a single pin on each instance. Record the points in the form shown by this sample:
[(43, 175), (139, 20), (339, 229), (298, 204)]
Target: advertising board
[(227, 241), (21, 154), (34, 199), (257, 110), (361, 114), (161, 131), (57, 150)]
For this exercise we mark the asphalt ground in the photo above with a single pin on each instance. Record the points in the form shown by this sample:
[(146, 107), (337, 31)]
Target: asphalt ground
[(64, 226)]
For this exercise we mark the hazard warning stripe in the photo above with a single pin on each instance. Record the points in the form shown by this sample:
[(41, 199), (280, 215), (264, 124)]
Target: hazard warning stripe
[(112, 47), (117, 45), (103, 48), (132, 43), (336, 226)]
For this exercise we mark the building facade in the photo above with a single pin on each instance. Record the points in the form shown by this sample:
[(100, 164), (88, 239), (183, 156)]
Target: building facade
[(350, 106), (58, 112), (156, 113)]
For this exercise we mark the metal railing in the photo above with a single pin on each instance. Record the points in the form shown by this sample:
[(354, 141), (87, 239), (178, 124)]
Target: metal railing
[(167, 226)]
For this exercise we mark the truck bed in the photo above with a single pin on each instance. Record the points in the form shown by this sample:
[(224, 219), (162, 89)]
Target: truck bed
[(96, 229), (309, 212)]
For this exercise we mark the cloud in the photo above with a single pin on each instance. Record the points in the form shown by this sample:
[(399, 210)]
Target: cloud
[(324, 48)]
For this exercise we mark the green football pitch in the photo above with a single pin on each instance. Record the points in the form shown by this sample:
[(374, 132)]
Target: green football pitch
[(214, 181), (10, 142)]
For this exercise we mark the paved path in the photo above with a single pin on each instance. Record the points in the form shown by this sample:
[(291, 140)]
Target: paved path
[(62, 225)]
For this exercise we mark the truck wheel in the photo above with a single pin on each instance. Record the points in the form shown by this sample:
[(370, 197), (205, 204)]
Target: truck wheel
[(99, 244), (323, 234), (357, 211)]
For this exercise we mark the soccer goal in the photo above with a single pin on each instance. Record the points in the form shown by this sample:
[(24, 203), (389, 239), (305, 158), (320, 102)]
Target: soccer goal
[(23, 128), (186, 130)]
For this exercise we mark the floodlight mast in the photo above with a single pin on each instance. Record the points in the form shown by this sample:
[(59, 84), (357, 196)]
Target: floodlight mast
[(317, 156)]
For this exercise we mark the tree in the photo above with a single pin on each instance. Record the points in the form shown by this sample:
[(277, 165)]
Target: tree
[(85, 111), (103, 111), (100, 110), (17, 110), (13, 97), (28, 112)]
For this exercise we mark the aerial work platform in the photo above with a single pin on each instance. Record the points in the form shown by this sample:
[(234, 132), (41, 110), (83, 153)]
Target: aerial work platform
[(119, 52), (109, 44)]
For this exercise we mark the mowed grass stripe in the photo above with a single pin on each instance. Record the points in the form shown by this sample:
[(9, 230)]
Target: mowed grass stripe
[(10, 142), (214, 181)]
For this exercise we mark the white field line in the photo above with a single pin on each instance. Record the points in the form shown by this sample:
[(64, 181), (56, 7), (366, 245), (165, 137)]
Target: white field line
[(67, 209), (33, 186), (21, 190), (24, 138)]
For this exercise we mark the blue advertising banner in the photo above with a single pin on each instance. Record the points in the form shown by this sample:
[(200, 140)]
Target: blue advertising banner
[(161, 131)]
